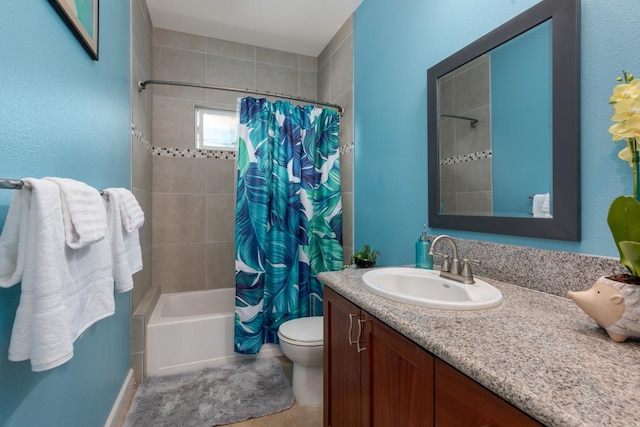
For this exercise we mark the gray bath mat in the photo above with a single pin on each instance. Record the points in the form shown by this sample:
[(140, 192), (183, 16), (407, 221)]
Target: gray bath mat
[(213, 396)]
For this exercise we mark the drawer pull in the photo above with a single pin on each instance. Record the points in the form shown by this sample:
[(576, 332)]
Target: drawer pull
[(351, 316), (360, 349)]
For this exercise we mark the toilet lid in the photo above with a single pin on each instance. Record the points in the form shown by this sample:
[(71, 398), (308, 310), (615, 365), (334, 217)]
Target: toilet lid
[(306, 330)]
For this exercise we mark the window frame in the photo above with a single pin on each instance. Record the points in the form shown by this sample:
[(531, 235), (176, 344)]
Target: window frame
[(199, 113)]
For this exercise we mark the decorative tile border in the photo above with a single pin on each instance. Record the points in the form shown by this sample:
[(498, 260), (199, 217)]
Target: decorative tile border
[(139, 136), (193, 153), (479, 155), (197, 153), (344, 149)]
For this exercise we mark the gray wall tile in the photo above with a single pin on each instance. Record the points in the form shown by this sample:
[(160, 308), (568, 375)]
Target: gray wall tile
[(308, 63), (221, 272), (179, 175), (176, 39), (173, 122), (220, 217), (231, 49), (221, 175), (274, 78), (308, 87), (342, 68), (179, 267), (178, 218), (277, 57), (224, 71)]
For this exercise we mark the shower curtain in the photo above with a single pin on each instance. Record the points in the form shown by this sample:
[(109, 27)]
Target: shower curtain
[(288, 216)]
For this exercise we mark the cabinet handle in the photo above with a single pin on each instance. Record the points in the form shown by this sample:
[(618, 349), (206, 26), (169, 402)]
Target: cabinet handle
[(360, 349), (351, 316)]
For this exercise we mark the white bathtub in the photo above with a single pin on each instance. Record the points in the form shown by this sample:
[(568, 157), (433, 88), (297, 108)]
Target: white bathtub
[(190, 330)]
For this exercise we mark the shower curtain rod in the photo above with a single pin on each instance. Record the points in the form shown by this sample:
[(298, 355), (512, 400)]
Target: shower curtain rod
[(474, 122), (143, 85)]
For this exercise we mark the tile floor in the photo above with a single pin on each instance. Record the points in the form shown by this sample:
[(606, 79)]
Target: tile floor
[(296, 416)]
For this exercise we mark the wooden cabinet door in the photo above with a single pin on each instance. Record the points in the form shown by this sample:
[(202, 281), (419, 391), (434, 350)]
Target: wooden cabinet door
[(397, 379), (342, 364), (461, 402)]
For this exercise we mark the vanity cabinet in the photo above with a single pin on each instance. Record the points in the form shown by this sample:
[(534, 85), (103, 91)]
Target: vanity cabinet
[(462, 402), (374, 376)]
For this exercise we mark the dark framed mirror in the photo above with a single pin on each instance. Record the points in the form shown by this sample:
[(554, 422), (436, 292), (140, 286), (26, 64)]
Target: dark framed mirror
[(503, 129)]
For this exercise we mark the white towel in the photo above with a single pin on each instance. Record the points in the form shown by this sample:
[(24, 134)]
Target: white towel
[(132, 214), (85, 217), (125, 247), (41, 327), (64, 290), (13, 240), (541, 206)]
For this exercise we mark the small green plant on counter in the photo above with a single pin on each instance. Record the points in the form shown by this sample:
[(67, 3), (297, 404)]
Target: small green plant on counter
[(365, 257)]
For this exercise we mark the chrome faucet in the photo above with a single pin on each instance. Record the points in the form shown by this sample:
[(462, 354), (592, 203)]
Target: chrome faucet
[(453, 269)]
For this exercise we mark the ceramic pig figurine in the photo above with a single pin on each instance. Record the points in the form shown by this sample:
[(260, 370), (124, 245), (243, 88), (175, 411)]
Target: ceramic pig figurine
[(615, 306)]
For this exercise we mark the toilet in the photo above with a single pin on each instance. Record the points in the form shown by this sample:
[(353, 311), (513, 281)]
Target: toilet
[(301, 340)]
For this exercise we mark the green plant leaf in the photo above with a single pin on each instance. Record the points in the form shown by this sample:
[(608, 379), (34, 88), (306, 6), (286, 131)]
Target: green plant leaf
[(624, 223), (631, 251)]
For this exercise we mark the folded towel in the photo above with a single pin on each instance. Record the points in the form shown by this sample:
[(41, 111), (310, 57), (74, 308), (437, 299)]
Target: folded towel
[(85, 217), (132, 214), (64, 290), (13, 240), (125, 247)]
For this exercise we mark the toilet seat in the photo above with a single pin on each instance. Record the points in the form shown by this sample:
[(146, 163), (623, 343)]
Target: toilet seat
[(303, 332)]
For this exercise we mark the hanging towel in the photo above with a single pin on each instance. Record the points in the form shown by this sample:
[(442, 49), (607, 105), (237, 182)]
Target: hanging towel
[(64, 290), (85, 217), (125, 246), (132, 214), (13, 240), (41, 327)]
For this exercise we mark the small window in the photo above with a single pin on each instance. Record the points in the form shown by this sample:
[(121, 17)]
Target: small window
[(216, 129)]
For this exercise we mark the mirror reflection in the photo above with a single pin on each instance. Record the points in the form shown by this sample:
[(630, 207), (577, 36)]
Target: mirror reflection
[(495, 131), (516, 170)]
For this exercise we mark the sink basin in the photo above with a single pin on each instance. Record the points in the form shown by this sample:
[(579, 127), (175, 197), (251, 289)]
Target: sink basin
[(426, 288)]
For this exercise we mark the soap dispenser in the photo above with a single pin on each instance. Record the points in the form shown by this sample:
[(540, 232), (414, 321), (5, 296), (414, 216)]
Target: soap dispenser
[(423, 259)]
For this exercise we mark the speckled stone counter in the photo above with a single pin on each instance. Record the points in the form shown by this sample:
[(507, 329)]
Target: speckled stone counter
[(537, 351)]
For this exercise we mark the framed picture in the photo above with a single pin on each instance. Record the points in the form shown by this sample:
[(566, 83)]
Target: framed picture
[(82, 17)]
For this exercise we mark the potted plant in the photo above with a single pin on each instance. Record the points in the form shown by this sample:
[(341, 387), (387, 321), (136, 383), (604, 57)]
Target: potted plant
[(614, 301), (624, 213), (365, 257)]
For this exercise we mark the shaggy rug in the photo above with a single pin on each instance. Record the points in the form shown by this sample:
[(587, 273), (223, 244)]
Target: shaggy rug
[(213, 396)]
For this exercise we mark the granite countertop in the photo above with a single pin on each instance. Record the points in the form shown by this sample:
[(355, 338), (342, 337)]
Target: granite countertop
[(537, 351)]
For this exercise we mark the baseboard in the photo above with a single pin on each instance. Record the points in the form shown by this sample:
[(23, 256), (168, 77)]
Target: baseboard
[(120, 406)]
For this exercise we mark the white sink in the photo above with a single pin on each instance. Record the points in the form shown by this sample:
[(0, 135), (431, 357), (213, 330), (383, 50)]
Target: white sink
[(426, 288)]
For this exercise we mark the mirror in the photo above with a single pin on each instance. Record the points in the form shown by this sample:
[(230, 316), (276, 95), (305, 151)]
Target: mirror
[(503, 129)]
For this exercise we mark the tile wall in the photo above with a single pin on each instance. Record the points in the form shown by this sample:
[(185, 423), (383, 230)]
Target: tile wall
[(335, 85), (194, 191), (144, 292), (465, 152)]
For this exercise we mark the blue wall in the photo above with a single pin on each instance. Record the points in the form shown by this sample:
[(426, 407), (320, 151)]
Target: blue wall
[(396, 42), (63, 114), (521, 128)]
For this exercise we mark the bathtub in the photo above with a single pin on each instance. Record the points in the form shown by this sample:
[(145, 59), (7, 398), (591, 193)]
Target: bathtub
[(191, 330)]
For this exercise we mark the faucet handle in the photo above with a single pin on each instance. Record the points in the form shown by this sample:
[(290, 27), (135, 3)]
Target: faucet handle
[(466, 268), (446, 265)]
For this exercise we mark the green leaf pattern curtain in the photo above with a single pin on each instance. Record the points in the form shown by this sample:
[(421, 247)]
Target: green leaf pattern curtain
[(288, 216)]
